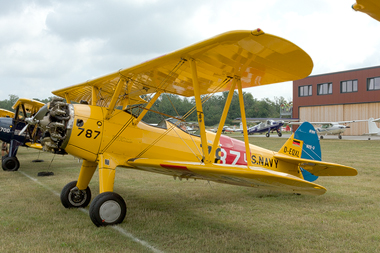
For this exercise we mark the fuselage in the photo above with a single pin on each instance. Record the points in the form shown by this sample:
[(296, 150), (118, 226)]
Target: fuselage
[(8, 130), (89, 135), (265, 127), (331, 129)]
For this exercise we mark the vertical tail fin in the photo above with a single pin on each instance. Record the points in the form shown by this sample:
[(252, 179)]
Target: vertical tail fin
[(372, 127), (304, 143)]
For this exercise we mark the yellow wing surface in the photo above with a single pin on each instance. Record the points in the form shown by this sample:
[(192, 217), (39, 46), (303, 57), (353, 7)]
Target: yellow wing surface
[(6, 113), (256, 57), (30, 105), (34, 145), (370, 7), (319, 168), (230, 174)]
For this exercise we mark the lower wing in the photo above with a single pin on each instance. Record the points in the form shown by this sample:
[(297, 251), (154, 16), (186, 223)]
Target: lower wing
[(230, 174), (34, 145)]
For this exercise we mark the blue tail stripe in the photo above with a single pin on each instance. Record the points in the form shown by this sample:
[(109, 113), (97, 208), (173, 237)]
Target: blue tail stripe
[(311, 148)]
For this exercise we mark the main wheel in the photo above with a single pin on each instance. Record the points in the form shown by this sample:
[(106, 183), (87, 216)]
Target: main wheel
[(72, 197), (10, 163), (279, 134), (340, 137), (108, 208), (267, 134)]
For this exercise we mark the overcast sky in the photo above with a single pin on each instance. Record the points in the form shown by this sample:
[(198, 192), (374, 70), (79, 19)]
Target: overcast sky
[(49, 44)]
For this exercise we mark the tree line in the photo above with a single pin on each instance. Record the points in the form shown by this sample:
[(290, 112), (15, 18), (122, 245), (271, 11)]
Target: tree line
[(213, 107), (177, 106)]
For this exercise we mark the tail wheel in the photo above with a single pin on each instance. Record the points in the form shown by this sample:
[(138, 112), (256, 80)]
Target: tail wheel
[(10, 163), (72, 197), (108, 208)]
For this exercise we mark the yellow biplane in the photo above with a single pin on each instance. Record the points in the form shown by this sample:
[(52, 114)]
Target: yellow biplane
[(97, 123), (370, 7), (13, 130), (6, 114)]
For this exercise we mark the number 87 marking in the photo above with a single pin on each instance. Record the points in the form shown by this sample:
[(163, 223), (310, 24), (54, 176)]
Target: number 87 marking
[(88, 133)]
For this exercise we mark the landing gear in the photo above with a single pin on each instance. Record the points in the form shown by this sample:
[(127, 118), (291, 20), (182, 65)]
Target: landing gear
[(108, 208), (321, 137), (72, 197), (340, 137), (10, 163), (279, 134), (267, 134)]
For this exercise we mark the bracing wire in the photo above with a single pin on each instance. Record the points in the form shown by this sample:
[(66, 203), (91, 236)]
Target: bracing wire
[(179, 64), (184, 117)]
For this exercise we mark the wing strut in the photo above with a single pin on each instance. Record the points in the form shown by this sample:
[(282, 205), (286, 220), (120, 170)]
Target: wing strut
[(222, 120), (67, 98), (200, 115), (94, 97), (244, 121), (147, 107), (111, 106)]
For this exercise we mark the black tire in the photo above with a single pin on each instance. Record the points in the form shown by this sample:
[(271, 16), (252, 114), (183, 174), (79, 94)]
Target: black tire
[(340, 137), (72, 197), (321, 137), (10, 163), (267, 134), (279, 134), (108, 208)]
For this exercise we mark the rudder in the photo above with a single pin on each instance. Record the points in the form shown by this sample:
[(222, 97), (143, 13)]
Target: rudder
[(304, 143), (372, 127)]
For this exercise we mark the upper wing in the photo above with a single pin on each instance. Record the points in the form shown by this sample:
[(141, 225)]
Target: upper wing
[(329, 122), (30, 105), (257, 58), (370, 7), (231, 174), (313, 123), (6, 113), (351, 121), (319, 168)]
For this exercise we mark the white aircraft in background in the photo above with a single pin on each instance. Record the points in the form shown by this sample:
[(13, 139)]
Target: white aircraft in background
[(330, 128), (372, 127), (227, 129)]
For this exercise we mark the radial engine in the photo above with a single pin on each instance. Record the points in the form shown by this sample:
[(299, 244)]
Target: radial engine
[(57, 126)]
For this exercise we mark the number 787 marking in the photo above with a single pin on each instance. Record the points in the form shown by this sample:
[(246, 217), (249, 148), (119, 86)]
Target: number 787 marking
[(88, 133)]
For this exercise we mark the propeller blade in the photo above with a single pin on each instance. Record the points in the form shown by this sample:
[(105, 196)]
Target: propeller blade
[(41, 113), (23, 130), (38, 116)]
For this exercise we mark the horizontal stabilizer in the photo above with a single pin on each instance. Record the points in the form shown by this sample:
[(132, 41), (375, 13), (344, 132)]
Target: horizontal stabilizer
[(319, 168), (243, 175)]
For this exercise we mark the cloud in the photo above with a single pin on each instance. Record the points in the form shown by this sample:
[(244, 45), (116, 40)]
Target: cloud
[(49, 44)]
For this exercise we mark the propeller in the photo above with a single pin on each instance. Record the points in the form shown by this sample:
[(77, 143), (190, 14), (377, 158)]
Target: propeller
[(37, 117)]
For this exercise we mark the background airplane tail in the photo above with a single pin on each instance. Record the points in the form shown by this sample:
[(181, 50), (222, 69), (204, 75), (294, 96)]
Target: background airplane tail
[(304, 143), (372, 127)]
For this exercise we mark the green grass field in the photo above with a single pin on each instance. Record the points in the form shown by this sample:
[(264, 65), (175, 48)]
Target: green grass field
[(196, 216)]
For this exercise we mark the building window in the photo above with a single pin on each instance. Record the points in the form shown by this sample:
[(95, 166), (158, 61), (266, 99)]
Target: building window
[(349, 86), (304, 91), (324, 88), (373, 83)]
